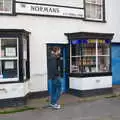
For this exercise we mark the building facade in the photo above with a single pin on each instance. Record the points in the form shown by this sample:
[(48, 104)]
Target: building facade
[(84, 29)]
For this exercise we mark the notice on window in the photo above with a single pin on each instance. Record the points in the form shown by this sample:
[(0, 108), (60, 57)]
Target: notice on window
[(10, 51), (1, 76), (9, 65)]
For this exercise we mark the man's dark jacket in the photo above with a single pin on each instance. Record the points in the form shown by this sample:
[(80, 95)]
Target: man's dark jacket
[(52, 66)]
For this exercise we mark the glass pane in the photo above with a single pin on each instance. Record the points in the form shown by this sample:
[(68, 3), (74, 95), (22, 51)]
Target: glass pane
[(89, 47), (89, 64), (99, 2), (9, 68), (9, 48), (89, 55), (103, 64), (76, 48), (24, 57), (103, 47), (99, 12), (94, 11), (1, 5), (24, 49), (7, 5), (76, 65)]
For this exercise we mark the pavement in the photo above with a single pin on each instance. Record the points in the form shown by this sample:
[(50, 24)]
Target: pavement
[(105, 107)]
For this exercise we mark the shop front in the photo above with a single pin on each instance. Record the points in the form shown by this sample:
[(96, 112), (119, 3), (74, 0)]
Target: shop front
[(85, 68), (14, 66), (29, 28), (90, 63)]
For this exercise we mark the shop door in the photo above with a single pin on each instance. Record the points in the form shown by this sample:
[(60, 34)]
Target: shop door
[(64, 64), (116, 64)]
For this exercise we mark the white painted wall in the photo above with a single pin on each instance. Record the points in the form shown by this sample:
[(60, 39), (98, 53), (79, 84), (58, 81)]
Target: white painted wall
[(14, 90), (90, 83), (51, 30), (11, 90)]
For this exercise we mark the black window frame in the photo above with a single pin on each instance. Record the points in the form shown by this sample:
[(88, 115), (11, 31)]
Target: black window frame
[(12, 10), (18, 33), (89, 35), (92, 19)]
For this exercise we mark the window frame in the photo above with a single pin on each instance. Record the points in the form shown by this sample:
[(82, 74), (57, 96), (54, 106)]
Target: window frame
[(89, 35), (11, 12), (18, 33), (83, 56), (93, 19), (11, 58)]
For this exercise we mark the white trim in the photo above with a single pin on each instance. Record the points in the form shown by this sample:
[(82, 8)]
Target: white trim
[(8, 79), (75, 56), (9, 58), (88, 55)]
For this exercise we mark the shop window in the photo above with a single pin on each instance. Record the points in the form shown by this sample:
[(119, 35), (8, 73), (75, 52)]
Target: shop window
[(9, 59), (6, 6), (90, 56), (94, 10), (14, 55)]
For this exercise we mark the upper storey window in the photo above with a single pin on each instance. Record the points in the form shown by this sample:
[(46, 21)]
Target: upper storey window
[(94, 10), (6, 6)]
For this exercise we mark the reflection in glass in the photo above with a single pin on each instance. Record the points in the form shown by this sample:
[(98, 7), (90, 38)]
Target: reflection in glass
[(8, 48), (103, 64), (9, 68), (89, 56)]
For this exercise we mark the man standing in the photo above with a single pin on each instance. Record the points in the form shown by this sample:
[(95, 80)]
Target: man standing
[(54, 76)]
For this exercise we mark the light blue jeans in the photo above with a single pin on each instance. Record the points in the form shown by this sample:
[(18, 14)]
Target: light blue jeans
[(55, 90)]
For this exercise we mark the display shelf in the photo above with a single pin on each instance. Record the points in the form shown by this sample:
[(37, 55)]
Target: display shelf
[(8, 79), (103, 55), (76, 56), (90, 65), (88, 55), (93, 53), (8, 58)]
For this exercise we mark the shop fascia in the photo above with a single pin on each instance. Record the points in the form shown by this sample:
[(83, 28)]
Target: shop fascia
[(51, 10), (45, 9)]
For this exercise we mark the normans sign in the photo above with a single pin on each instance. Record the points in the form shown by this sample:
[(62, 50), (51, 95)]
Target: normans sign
[(48, 10)]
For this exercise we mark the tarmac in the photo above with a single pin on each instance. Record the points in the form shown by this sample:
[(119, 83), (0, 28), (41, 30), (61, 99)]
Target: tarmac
[(105, 107)]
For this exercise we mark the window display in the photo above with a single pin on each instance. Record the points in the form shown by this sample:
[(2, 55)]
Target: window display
[(14, 55), (9, 58), (89, 56)]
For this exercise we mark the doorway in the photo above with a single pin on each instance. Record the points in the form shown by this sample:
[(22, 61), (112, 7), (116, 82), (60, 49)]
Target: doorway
[(64, 65), (116, 63)]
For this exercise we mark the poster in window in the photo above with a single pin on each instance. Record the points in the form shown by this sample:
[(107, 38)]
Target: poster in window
[(10, 51), (9, 65)]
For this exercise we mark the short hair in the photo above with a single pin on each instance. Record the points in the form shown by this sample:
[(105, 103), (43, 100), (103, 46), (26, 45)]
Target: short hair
[(55, 48)]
